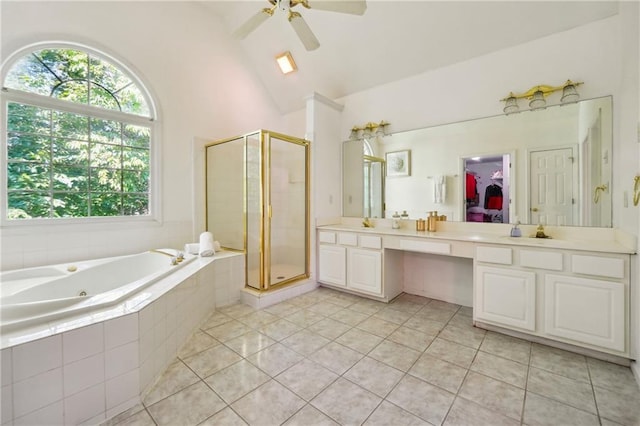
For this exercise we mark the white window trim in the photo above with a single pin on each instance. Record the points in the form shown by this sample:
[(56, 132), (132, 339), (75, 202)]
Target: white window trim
[(8, 95)]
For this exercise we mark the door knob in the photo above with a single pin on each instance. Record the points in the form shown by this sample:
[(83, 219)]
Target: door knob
[(534, 209)]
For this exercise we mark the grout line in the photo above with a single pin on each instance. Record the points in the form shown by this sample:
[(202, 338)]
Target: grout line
[(457, 394), (325, 297), (593, 391), (526, 385)]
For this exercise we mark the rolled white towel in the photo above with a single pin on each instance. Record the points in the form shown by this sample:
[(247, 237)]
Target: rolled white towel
[(206, 244), (192, 248)]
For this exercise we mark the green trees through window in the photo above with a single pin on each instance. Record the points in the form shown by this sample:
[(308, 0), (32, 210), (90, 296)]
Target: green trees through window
[(87, 160)]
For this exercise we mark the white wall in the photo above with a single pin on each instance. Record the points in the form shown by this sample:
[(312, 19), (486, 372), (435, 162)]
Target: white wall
[(202, 85), (603, 54)]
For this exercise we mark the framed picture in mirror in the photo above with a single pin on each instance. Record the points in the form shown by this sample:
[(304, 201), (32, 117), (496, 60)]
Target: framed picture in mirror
[(398, 163)]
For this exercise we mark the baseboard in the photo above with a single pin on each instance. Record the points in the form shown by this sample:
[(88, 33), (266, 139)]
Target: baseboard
[(635, 369), (258, 300)]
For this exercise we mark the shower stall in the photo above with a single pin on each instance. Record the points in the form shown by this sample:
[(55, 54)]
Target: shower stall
[(257, 202)]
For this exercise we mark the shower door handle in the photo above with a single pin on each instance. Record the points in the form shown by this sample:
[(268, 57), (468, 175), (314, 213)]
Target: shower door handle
[(596, 193)]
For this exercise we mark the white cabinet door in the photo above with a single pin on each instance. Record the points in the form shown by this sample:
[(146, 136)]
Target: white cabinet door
[(332, 267), (365, 270), (506, 297), (585, 310)]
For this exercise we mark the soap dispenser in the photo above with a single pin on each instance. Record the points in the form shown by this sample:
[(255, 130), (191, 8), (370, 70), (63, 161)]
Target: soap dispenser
[(395, 221), (515, 231)]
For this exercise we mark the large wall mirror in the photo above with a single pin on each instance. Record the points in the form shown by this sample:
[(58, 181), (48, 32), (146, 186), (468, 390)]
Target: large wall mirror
[(550, 166)]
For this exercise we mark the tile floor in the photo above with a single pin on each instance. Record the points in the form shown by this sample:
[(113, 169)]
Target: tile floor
[(327, 358)]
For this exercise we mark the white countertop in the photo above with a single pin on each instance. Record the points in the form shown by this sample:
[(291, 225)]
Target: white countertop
[(600, 245)]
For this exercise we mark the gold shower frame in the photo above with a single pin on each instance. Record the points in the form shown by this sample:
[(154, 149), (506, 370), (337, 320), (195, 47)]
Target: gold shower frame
[(265, 204)]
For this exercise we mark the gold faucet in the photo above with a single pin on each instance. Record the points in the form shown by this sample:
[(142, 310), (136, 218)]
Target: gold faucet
[(540, 232), (366, 223), (175, 258)]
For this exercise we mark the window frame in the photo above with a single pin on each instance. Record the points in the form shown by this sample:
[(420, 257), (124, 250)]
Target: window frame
[(11, 95)]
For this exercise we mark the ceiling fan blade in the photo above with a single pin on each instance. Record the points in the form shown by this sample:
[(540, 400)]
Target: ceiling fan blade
[(304, 32), (354, 7), (254, 22)]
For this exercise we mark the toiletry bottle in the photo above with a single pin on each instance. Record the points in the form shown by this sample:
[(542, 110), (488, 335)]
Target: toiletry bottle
[(404, 214), (431, 222), (395, 221), (515, 231)]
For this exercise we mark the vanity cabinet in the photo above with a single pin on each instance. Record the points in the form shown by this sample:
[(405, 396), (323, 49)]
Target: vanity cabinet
[(560, 292), (585, 310), (332, 265), (578, 298), (351, 261), (506, 296), (364, 270)]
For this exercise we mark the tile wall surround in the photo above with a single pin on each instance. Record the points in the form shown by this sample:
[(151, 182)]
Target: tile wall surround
[(88, 374), (27, 246)]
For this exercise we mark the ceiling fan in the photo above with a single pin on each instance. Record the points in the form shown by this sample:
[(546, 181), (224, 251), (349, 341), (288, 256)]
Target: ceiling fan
[(308, 39)]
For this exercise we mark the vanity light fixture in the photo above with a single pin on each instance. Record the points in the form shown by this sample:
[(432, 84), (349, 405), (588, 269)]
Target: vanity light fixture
[(537, 100), (511, 104), (286, 63), (569, 93), (368, 130), (537, 96)]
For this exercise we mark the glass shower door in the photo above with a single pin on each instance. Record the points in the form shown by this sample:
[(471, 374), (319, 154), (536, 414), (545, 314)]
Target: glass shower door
[(288, 209), (258, 203), (225, 177), (254, 211)]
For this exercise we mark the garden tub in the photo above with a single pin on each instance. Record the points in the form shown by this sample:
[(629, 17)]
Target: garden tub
[(37, 295)]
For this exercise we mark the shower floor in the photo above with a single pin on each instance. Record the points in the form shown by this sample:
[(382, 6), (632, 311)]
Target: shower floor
[(279, 272)]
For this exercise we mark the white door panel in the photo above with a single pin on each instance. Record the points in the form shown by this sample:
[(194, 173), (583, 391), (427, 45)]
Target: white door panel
[(551, 199)]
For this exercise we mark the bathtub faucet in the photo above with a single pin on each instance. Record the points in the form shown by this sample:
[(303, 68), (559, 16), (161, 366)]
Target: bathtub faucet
[(175, 258)]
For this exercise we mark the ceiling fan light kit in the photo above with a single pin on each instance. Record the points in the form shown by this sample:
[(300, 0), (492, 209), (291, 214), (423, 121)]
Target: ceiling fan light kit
[(300, 26)]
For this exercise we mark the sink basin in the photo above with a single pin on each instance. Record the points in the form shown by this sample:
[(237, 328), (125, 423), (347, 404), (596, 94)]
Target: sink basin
[(549, 242)]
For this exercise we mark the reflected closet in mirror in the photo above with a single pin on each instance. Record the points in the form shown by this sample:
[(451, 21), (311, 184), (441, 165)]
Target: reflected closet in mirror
[(487, 188)]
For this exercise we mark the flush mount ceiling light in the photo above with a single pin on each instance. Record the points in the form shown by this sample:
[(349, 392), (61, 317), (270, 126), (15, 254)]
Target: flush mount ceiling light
[(537, 96), (299, 25), (286, 63)]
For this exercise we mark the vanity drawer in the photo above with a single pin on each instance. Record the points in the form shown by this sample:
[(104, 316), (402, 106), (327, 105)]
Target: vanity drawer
[(549, 260), (425, 246), (499, 255), (327, 237), (347, 239), (370, 241), (595, 265)]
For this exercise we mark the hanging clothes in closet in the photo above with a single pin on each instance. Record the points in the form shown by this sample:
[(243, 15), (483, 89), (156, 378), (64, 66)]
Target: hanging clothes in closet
[(472, 189), (493, 197)]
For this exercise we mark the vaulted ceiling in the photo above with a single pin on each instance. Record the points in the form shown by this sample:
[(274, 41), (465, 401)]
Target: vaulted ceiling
[(392, 40)]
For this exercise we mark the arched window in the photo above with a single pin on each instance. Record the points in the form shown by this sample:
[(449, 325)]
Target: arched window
[(78, 137)]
